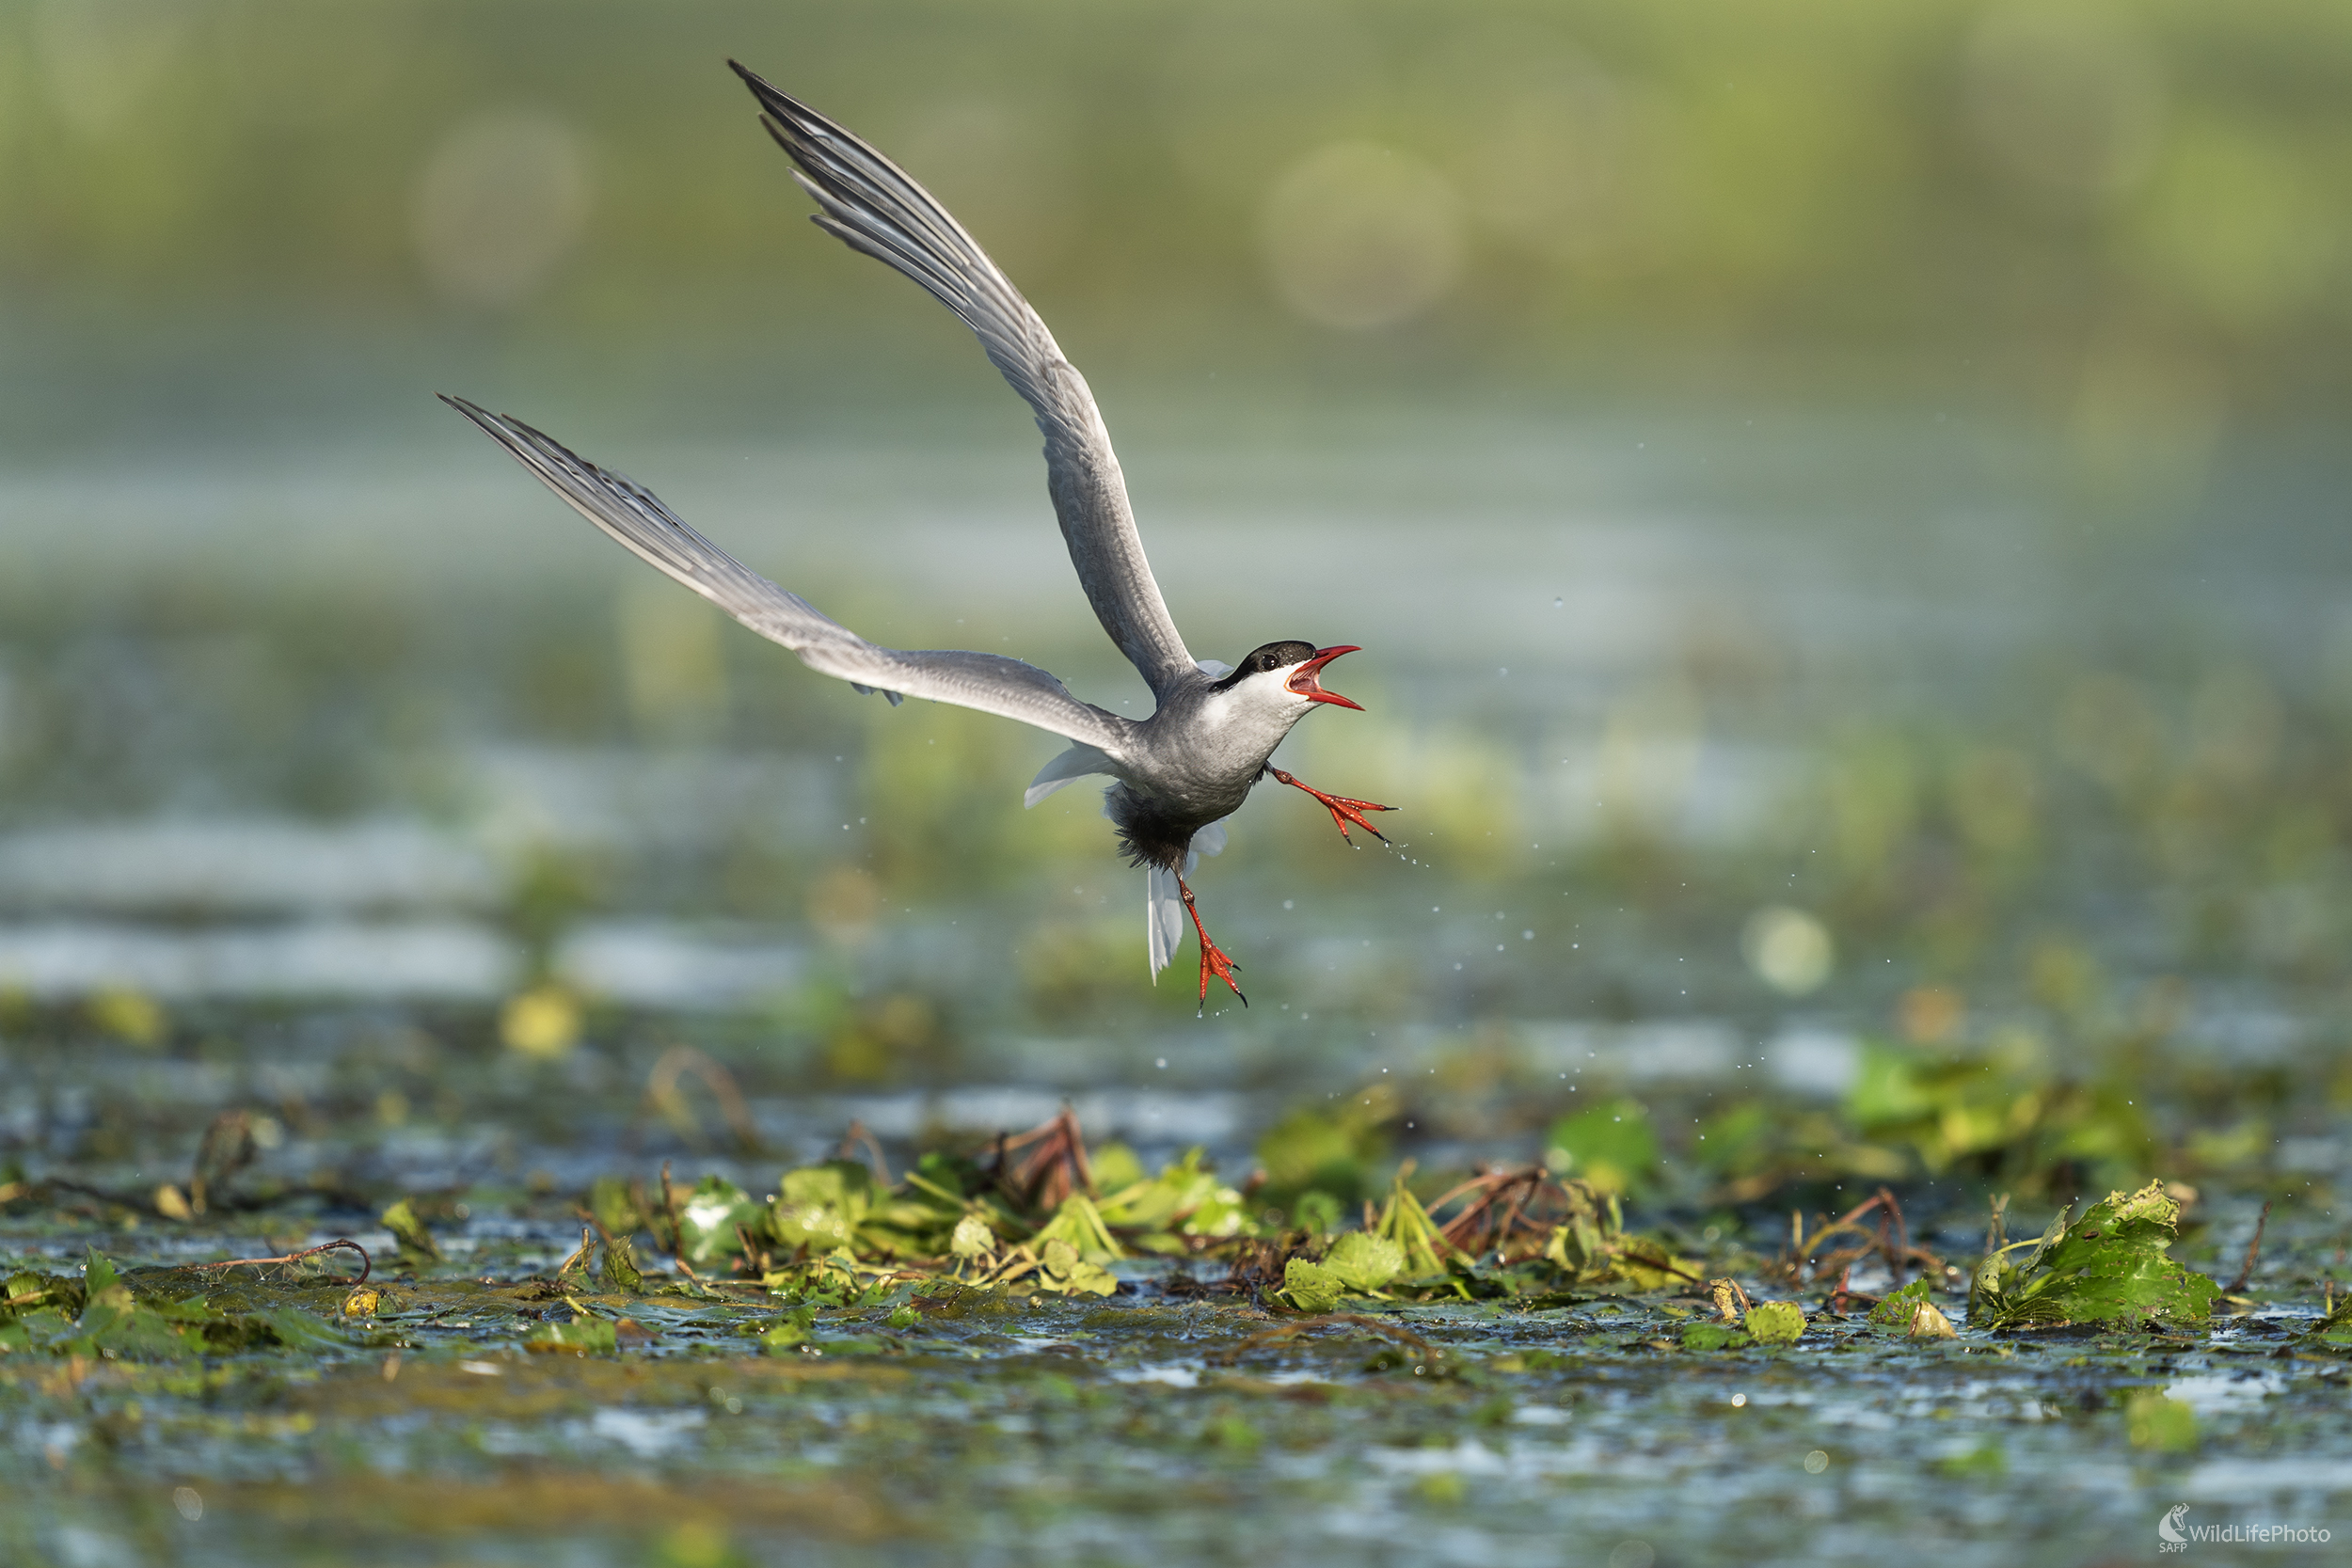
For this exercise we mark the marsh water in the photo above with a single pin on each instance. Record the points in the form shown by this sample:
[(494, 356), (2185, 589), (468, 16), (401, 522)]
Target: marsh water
[(369, 794)]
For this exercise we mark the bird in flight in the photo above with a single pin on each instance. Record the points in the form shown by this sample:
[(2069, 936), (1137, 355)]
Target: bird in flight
[(1175, 776)]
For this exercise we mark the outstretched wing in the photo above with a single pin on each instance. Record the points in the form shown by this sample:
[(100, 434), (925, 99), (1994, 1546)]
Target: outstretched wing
[(637, 518), (873, 207)]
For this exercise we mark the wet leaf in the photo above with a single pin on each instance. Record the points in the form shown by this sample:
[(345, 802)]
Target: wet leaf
[(1928, 1321), (2109, 1266), (1895, 1310), (1591, 1246), (1062, 1270), (1312, 1287), (1775, 1322), (1364, 1262), (821, 1207), (102, 1284), (971, 1238), (712, 1219), (790, 1331), (1711, 1336), (1079, 1224), (1186, 1198), (293, 1328), (620, 1266)]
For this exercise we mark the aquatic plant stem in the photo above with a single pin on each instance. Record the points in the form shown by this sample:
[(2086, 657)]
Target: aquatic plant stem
[(2253, 1253), (367, 1265)]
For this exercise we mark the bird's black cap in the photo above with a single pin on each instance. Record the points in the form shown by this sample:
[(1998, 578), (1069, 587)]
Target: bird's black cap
[(1273, 655)]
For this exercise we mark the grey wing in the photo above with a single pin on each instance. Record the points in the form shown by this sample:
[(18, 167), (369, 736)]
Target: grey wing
[(871, 205), (636, 518)]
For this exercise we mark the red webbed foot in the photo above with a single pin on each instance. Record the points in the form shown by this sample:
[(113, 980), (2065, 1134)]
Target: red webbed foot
[(1213, 959), (1344, 810)]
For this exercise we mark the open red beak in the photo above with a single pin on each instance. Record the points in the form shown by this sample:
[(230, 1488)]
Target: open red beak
[(1303, 679)]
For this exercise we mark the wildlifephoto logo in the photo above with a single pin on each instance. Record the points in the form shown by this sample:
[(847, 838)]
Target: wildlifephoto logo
[(2174, 1534)]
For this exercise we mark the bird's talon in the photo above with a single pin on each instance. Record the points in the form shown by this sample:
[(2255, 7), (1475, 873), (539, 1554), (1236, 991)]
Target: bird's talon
[(1213, 959), (1343, 808)]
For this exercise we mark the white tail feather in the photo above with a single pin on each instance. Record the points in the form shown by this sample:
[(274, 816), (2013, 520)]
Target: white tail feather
[(1164, 900), (1163, 916)]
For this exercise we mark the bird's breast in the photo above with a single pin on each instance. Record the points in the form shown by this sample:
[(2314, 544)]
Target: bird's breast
[(1203, 768)]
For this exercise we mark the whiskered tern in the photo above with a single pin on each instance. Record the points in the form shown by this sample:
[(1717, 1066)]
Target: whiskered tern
[(1175, 776)]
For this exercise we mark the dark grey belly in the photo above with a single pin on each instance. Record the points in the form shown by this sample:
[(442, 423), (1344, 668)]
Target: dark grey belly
[(1156, 829)]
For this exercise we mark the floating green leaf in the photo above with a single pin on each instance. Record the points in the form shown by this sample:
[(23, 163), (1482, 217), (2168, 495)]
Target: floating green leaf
[(1928, 1321), (711, 1221), (790, 1332), (1185, 1200), (1714, 1336), (971, 1238), (1312, 1287), (1894, 1311), (1362, 1262), (1062, 1271), (1591, 1246), (821, 1207), (1775, 1322), (1079, 1224), (2109, 1266), (292, 1328)]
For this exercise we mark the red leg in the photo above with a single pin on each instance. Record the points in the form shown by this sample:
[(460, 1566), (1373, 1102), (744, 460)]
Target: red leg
[(1343, 810), (1213, 959)]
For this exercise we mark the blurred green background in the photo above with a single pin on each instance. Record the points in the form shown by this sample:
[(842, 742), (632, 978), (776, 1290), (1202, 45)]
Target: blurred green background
[(1844, 504), (2125, 219)]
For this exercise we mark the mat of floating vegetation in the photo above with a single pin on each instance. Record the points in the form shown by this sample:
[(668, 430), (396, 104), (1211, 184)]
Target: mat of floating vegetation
[(1043, 1353)]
